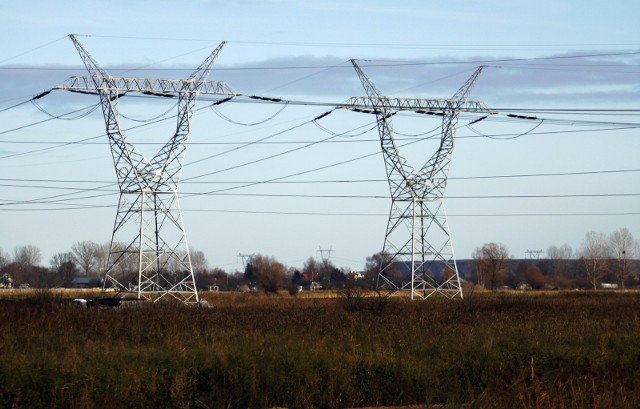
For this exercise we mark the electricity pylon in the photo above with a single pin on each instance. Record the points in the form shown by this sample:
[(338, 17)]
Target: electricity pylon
[(149, 255), (417, 235)]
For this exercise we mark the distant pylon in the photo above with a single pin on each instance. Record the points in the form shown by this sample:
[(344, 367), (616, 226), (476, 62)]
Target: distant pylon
[(149, 255), (325, 254), (534, 254), (244, 258), (417, 236)]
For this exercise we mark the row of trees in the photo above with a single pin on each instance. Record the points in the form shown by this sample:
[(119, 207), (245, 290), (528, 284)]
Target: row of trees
[(601, 258), (85, 259), (88, 259)]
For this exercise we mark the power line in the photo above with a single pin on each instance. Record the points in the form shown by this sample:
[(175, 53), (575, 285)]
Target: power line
[(388, 63), (32, 49), (324, 44), (327, 196), (521, 175)]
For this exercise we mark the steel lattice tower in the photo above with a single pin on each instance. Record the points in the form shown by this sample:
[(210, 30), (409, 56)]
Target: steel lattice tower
[(417, 233), (148, 231)]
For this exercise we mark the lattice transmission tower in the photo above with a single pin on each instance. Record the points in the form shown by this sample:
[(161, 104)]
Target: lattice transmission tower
[(417, 238), (149, 255)]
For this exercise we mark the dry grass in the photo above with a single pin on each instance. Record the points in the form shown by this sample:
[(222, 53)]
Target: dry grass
[(498, 350)]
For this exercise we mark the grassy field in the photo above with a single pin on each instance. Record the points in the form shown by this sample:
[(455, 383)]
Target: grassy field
[(491, 350)]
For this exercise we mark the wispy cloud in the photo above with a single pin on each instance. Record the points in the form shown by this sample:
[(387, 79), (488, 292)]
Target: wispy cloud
[(555, 80)]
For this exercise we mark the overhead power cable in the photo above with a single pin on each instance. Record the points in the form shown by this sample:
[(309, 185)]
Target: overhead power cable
[(226, 118), (32, 99), (8, 202), (304, 172), (241, 147), (155, 118), (270, 156), (314, 181), (64, 116), (508, 138), (369, 64)]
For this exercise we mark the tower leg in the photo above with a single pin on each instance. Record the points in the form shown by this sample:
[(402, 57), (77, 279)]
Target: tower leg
[(154, 262), (420, 251)]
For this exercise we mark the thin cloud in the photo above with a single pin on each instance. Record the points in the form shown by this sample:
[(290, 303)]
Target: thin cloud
[(556, 80)]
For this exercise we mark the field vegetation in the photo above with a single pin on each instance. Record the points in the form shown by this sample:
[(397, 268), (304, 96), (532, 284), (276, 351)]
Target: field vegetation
[(497, 350)]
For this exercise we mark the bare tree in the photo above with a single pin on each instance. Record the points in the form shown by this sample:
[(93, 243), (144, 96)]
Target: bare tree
[(595, 253), (624, 248), (101, 254), (84, 253), (64, 266), (534, 277), (492, 260), (378, 261), (27, 257), (267, 271), (198, 261), (4, 258), (559, 260), (127, 262), (564, 252), (313, 268), (479, 267)]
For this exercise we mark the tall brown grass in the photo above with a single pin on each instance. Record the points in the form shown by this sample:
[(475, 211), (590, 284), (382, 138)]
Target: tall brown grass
[(258, 351)]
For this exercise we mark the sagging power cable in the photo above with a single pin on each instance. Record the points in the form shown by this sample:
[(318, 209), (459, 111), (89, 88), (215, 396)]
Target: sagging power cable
[(264, 158), (472, 129), (89, 111), (226, 118), (40, 95), (155, 118)]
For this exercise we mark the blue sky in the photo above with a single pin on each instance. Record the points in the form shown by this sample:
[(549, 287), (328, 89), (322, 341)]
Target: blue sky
[(571, 55)]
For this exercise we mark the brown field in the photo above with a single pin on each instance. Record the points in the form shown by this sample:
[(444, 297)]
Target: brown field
[(323, 350)]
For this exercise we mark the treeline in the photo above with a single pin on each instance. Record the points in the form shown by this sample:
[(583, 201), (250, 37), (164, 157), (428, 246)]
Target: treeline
[(610, 259), (601, 259), (88, 259)]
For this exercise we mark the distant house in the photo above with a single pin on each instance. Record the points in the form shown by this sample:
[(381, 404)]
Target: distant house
[(356, 275), (6, 281), (86, 282), (609, 286)]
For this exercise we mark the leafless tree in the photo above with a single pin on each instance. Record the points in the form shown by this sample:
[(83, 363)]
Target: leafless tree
[(101, 254), (198, 261), (313, 268), (624, 248), (27, 257), (595, 254), (128, 262), (492, 260), (4, 258), (534, 277), (63, 265), (267, 271), (559, 261), (374, 265), (59, 259), (564, 252), (84, 253)]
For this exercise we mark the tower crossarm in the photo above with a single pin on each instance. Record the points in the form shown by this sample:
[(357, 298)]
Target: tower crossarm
[(146, 85), (465, 89), (413, 104), (126, 158), (201, 73), (399, 172), (436, 169), (168, 161), (97, 73)]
